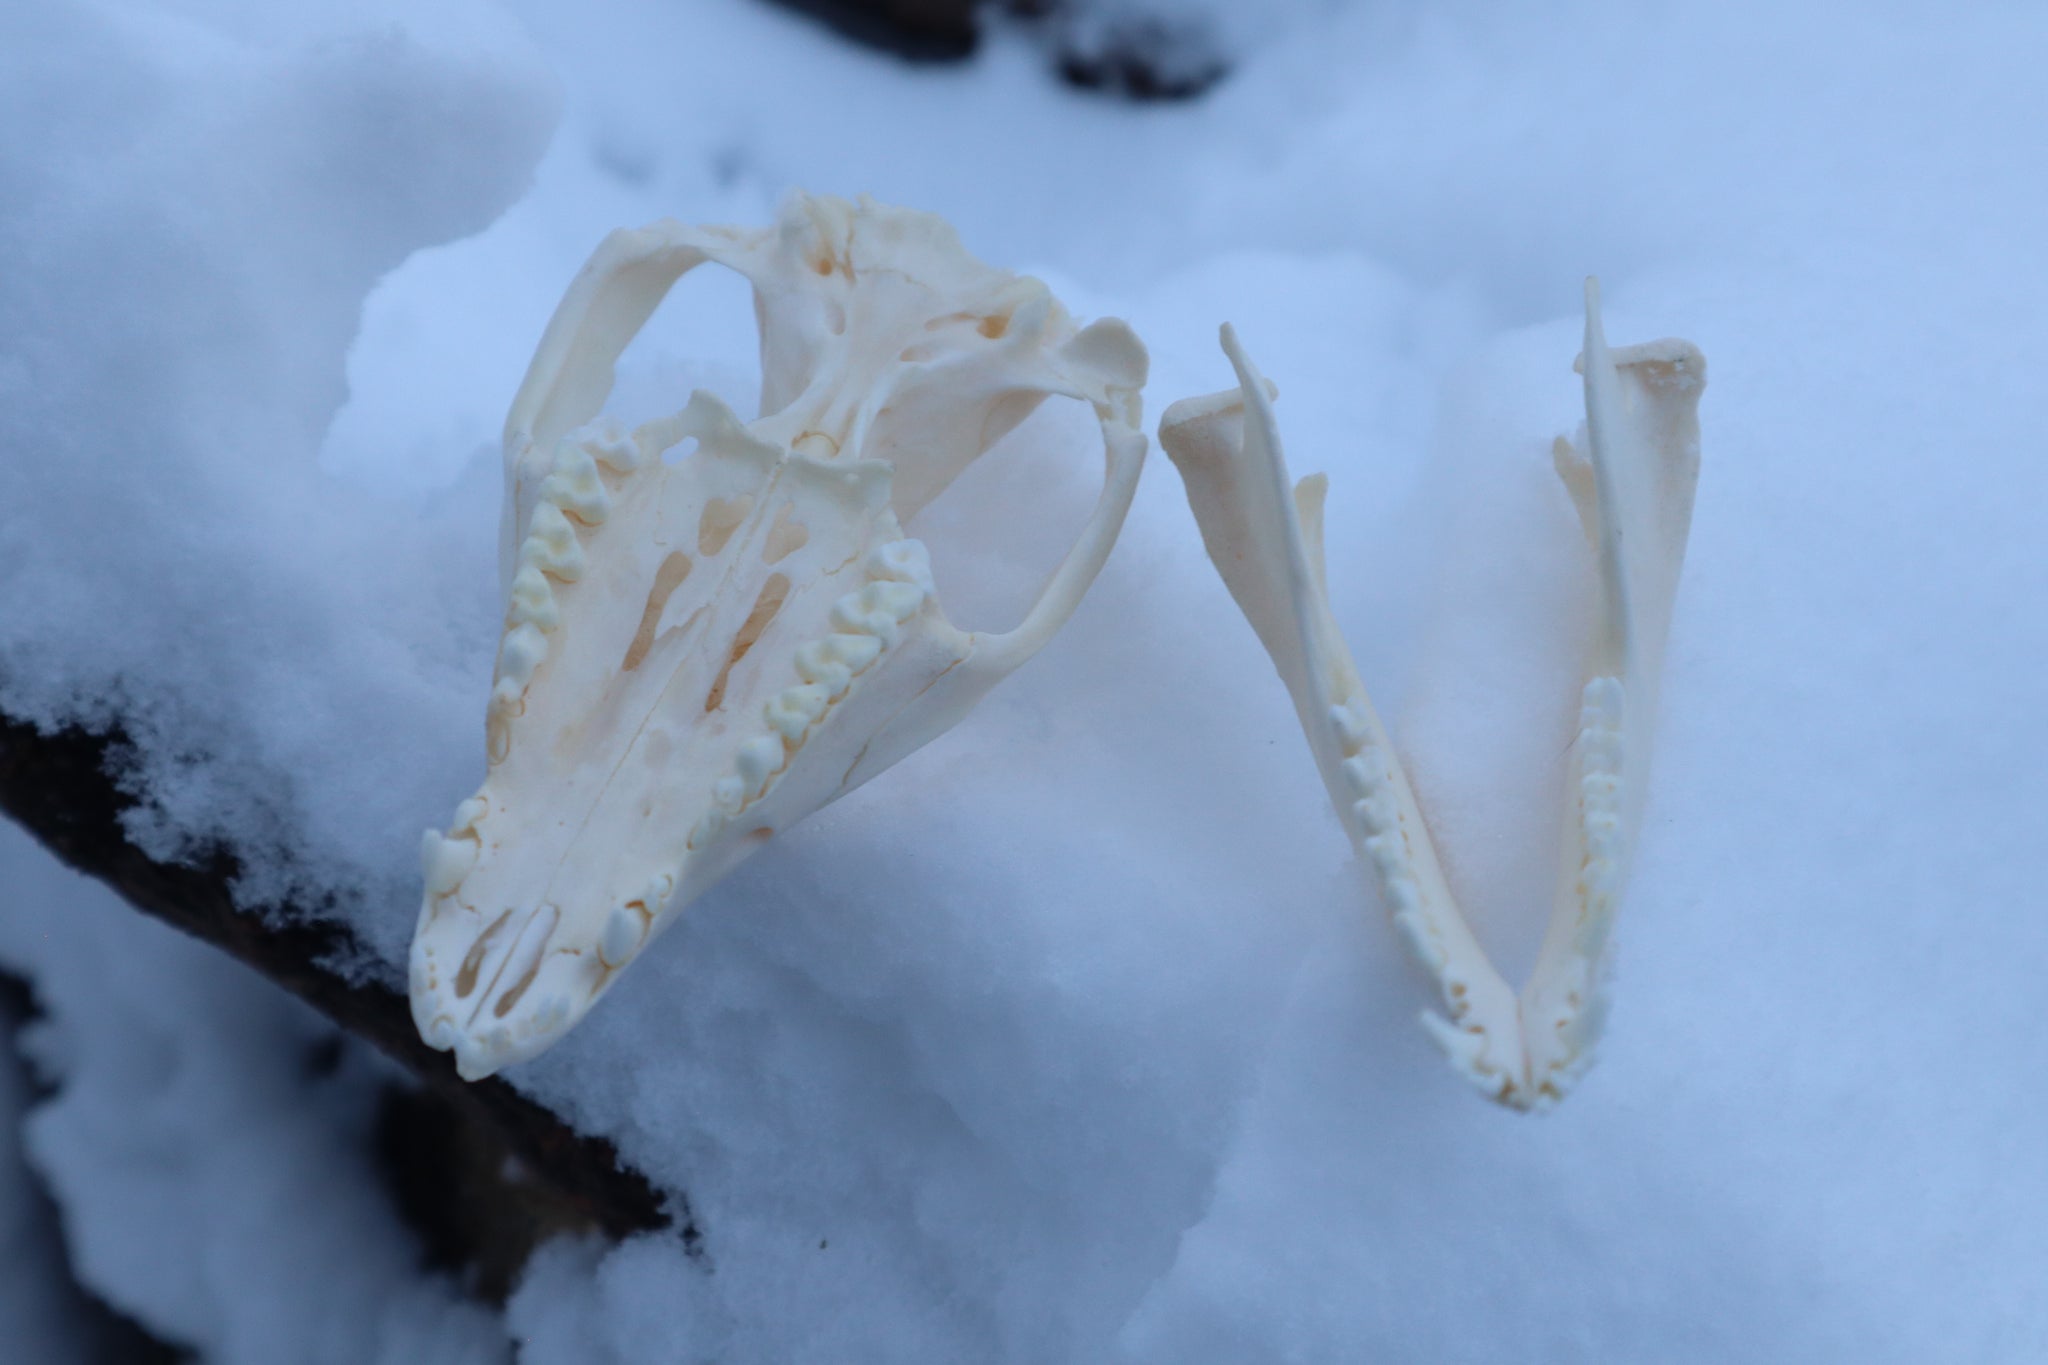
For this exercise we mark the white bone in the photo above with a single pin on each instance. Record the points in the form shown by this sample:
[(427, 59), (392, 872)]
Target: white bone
[(1633, 486), (682, 675)]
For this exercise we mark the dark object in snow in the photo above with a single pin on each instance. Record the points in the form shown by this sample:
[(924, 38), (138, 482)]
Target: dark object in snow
[(1134, 48), (915, 30), (1127, 49), (63, 787)]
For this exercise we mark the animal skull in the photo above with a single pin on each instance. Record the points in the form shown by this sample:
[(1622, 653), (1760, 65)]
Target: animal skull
[(1632, 483), (698, 654)]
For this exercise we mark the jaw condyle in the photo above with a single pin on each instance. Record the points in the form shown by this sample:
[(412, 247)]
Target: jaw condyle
[(1631, 477), (715, 627)]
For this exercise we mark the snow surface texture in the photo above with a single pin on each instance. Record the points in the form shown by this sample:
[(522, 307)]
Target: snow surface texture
[(1075, 1038)]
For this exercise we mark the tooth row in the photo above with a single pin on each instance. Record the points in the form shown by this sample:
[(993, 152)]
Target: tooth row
[(865, 622), (1600, 749), (1369, 774), (552, 551)]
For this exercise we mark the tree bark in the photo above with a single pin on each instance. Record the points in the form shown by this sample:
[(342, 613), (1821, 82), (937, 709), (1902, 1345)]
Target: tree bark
[(448, 1145)]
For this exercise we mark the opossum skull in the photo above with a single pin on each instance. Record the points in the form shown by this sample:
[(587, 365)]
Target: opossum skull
[(699, 652)]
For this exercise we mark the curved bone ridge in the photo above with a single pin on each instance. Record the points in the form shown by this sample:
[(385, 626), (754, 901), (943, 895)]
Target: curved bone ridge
[(1631, 477), (699, 651)]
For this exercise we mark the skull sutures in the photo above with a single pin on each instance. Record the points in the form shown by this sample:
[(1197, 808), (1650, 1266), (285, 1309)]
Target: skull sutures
[(699, 652)]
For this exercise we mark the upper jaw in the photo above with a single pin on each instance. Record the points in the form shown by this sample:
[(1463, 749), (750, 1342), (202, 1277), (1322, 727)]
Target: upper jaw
[(698, 654)]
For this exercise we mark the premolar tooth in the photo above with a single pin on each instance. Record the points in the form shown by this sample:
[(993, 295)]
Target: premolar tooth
[(792, 712), (759, 759), (728, 794), (856, 651), (707, 827), (467, 814)]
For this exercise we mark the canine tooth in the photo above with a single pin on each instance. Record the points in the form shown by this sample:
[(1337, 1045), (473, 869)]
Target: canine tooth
[(905, 561), (856, 651), (445, 862), (818, 662), (624, 931), (793, 711), (759, 759)]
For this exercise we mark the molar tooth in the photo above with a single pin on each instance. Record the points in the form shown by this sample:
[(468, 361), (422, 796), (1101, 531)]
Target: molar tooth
[(532, 599), (792, 712), (905, 561), (898, 601), (817, 662), (551, 545), (576, 489), (758, 760), (445, 862), (616, 450), (851, 614), (1361, 775), (1351, 730), (856, 651)]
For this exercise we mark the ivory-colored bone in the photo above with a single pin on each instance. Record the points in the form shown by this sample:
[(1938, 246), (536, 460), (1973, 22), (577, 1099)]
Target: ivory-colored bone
[(1632, 482), (700, 652)]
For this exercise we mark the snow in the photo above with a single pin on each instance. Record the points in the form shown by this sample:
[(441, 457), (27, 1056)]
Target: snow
[(1075, 1037)]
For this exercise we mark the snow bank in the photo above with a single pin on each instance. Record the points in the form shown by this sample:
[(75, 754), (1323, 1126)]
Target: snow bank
[(1074, 1038)]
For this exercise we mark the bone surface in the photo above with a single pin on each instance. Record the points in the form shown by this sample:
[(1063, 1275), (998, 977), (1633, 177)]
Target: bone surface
[(703, 646), (1631, 477)]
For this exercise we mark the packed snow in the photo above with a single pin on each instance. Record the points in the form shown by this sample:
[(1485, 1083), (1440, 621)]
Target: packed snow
[(1076, 1037)]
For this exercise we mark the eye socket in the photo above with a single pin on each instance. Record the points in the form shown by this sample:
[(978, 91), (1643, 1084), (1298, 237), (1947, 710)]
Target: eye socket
[(701, 336), (1004, 523)]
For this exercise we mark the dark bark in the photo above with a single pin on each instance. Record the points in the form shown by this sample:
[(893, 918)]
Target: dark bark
[(448, 1146)]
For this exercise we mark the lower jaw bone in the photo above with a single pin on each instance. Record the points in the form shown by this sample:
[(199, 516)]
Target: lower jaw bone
[(1631, 479), (698, 654)]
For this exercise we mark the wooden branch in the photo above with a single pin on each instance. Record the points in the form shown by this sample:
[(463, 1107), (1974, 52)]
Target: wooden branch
[(63, 788)]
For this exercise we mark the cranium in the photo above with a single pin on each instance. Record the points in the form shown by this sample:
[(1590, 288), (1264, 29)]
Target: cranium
[(699, 652), (1632, 483)]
